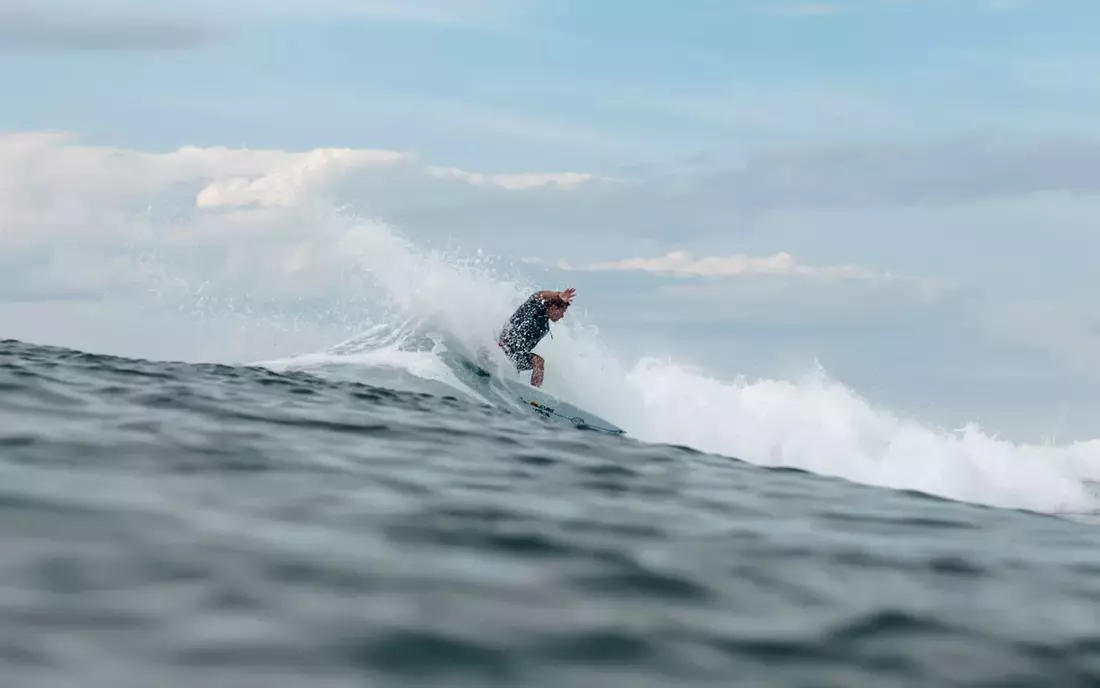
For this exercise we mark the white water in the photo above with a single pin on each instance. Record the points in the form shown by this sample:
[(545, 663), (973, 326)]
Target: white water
[(815, 423)]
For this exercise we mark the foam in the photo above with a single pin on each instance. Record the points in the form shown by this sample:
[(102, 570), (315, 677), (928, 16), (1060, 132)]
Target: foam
[(814, 423)]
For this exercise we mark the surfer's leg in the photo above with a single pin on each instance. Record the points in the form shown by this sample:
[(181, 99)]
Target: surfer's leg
[(521, 359), (537, 367)]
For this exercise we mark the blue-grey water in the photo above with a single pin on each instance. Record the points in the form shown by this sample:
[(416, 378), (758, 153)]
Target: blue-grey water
[(177, 525)]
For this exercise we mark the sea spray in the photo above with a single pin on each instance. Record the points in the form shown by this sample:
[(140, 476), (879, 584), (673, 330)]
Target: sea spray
[(813, 423)]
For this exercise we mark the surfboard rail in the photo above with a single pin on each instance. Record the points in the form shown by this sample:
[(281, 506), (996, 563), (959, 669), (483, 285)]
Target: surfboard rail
[(577, 421)]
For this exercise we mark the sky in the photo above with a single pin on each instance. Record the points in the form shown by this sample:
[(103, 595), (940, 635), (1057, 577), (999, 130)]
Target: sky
[(904, 191)]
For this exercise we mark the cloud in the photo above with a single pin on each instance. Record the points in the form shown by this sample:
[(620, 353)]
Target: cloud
[(159, 25), (282, 229), (83, 220), (52, 187), (516, 181), (936, 173), (453, 12), (292, 180), (480, 14), (421, 11), (768, 290), (40, 25), (786, 192), (680, 263)]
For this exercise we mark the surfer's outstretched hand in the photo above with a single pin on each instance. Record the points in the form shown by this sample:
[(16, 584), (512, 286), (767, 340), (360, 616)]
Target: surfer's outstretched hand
[(567, 295)]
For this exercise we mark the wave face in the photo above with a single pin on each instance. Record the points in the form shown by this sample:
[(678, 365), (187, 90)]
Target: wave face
[(169, 524), (431, 302)]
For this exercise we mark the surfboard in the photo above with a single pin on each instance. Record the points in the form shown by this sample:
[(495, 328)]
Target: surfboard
[(532, 399), (559, 410)]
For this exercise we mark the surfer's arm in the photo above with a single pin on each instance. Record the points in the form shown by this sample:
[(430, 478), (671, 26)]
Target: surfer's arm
[(549, 294)]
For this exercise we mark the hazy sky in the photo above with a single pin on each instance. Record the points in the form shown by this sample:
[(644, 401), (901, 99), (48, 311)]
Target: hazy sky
[(905, 191)]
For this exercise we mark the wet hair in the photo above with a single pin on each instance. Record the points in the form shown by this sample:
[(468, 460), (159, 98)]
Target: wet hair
[(557, 303)]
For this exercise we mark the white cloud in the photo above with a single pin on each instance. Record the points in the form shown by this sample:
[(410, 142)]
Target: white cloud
[(516, 181), (770, 290), (80, 220), (50, 180), (291, 182), (681, 263)]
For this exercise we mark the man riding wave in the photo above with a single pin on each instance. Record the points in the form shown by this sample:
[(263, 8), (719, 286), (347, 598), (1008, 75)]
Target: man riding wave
[(528, 325)]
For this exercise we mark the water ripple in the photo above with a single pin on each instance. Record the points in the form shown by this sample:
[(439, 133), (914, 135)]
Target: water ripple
[(175, 525)]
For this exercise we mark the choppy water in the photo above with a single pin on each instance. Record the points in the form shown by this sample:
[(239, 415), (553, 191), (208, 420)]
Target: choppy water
[(187, 525)]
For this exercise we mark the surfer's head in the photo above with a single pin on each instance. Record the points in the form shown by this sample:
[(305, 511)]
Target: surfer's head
[(555, 308)]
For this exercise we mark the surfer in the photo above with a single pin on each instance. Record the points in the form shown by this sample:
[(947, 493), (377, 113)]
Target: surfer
[(528, 325)]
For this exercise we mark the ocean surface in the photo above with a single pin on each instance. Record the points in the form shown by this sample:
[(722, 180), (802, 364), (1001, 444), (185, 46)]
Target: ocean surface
[(179, 525)]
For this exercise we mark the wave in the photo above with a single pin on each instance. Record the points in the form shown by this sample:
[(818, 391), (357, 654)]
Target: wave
[(430, 299)]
